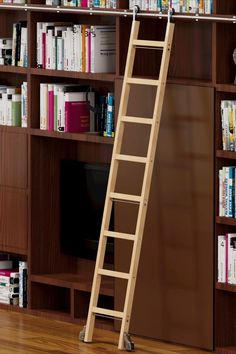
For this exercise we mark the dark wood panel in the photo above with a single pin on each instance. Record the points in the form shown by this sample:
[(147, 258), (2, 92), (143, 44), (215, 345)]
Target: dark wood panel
[(13, 161), (174, 295), (13, 219)]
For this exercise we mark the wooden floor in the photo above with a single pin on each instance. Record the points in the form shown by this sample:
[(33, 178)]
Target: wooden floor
[(25, 334)]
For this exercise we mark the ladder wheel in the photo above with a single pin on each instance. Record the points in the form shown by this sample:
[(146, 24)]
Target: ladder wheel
[(82, 334), (128, 343), (136, 9)]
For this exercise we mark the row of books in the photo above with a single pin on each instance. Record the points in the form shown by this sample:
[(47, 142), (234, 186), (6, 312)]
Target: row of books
[(19, 2), (228, 124), (76, 47), (227, 200), (182, 6), (227, 258), (13, 51), (72, 108), (108, 4), (13, 105), (13, 283)]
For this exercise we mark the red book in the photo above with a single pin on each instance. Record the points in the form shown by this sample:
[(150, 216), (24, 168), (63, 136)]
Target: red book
[(77, 114), (9, 272)]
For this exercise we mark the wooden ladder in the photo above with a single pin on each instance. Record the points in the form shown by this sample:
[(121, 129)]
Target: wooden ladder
[(113, 196)]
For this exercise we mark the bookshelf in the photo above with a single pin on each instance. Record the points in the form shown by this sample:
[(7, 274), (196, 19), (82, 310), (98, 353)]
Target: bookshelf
[(179, 300)]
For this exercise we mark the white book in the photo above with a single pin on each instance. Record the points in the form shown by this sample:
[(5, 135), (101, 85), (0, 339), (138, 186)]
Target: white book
[(49, 48), (61, 110), (6, 264), (24, 105), (221, 259), (77, 47), (75, 96), (60, 53), (43, 106), (23, 48), (56, 88), (39, 45), (9, 120), (221, 193), (103, 49), (6, 43)]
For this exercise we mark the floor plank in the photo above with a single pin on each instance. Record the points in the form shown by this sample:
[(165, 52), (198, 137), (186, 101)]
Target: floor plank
[(27, 334)]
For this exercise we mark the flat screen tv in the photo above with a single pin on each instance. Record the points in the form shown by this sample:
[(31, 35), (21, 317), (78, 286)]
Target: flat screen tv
[(82, 196)]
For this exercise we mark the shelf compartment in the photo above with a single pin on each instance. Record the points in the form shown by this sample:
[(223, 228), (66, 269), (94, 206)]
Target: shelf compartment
[(50, 298), (87, 137), (73, 281), (226, 287)]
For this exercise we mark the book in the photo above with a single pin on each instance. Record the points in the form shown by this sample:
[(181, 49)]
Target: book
[(103, 49), (24, 107), (77, 115), (222, 259), (231, 258), (16, 109), (5, 264), (23, 284), (109, 124)]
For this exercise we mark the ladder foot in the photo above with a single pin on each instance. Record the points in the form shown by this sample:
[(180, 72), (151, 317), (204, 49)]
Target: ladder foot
[(82, 334), (128, 343)]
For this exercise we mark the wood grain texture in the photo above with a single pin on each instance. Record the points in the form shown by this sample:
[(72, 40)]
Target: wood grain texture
[(28, 334)]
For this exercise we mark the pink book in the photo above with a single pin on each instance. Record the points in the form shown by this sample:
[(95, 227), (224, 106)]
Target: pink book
[(50, 107), (84, 3), (77, 116), (9, 272), (44, 50)]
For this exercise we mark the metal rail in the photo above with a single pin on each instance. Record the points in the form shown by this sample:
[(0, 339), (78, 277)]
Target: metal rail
[(120, 12)]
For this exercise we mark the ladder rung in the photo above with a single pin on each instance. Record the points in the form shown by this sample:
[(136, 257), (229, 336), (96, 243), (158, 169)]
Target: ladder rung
[(107, 312), (114, 274), (144, 43), (131, 158), (139, 81), (120, 235), (125, 197), (139, 120)]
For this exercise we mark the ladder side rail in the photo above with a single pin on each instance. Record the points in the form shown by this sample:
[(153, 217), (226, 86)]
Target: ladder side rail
[(146, 185), (110, 186)]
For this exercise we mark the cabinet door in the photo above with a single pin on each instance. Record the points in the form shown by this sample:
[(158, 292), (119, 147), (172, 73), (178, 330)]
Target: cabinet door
[(13, 192), (174, 293)]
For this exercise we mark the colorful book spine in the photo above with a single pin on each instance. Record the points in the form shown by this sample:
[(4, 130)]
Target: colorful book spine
[(109, 128)]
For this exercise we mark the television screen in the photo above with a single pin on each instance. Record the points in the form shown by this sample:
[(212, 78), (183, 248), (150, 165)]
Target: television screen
[(82, 196)]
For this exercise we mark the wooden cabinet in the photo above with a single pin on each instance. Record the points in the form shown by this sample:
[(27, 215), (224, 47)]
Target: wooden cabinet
[(175, 298)]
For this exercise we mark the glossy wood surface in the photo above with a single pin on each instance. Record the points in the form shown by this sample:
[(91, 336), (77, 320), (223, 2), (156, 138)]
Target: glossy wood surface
[(27, 334)]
